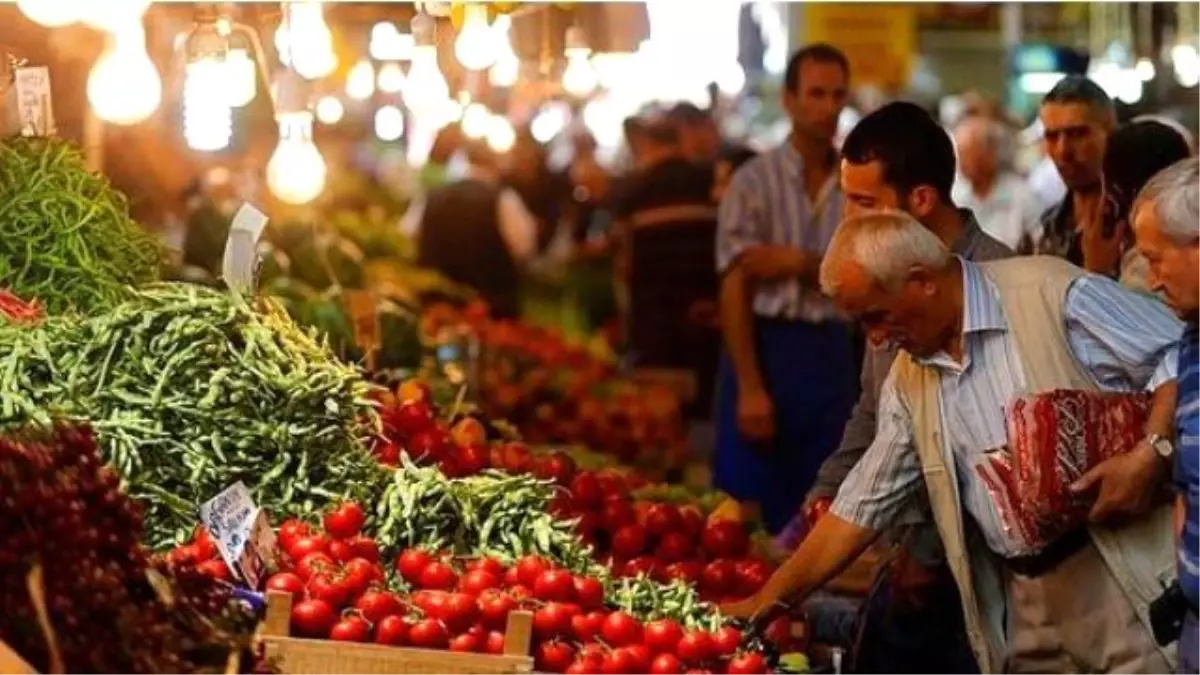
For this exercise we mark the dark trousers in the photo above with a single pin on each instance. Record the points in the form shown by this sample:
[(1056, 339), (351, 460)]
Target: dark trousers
[(925, 634), (812, 378)]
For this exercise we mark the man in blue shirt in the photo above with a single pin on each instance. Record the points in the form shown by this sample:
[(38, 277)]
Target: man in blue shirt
[(1166, 221)]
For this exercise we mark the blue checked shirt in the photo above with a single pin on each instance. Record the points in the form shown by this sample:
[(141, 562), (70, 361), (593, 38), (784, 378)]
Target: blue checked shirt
[(1125, 340), (767, 204), (1187, 460)]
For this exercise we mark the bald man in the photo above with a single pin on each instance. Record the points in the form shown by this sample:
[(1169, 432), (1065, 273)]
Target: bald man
[(1003, 202)]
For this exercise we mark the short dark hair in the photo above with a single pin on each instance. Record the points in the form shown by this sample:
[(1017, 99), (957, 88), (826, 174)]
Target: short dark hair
[(687, 114), (912, 147), (820, 52), (736, 156), (1136, 152), (1080, 89)]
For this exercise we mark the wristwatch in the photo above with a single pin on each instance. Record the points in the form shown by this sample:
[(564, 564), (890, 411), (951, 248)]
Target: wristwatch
[(1162, 446)]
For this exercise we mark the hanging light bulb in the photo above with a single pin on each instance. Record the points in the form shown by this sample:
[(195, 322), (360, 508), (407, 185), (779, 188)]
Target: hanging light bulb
[(124, 87), (475, 47), (476, 121), (425, 91), (52, 13), (389, 123), (507, 68), (283, 44), (243, 77), (207, 117), (391, 78), (360, 83), (330, 110), (501, 137), (579, 79), (296, 171), (310, 41)]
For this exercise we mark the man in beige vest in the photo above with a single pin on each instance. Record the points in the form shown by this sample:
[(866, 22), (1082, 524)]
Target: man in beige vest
[(974, 336)]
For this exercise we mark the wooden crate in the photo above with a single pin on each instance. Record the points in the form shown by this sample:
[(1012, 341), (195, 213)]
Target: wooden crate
[(297, 656)]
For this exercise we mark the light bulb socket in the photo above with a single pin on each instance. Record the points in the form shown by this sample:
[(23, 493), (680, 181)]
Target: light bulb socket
[(576, 41), (424, 30), (204, 41), (292, 93)]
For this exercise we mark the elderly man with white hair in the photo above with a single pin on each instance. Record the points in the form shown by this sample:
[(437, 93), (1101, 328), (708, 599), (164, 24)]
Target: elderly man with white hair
[(1166, 223), (975, 335), (1005, 205)]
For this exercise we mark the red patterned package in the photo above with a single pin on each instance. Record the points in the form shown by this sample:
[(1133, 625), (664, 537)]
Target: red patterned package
[(15, 309), (1054, 438)]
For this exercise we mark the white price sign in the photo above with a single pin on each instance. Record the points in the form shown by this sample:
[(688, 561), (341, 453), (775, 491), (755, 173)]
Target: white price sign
[(241, 248), (31, 89), (242, 533)]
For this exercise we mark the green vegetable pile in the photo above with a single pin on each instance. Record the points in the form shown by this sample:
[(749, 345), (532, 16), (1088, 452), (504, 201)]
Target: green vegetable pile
[(190, 389), (503, 516), (66, 238)]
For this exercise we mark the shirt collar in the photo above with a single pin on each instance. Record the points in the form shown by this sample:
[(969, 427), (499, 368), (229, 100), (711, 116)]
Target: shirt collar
[(982, 310), (971, 235), (794, 161)]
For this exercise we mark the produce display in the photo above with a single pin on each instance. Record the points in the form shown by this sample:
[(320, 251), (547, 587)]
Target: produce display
[(191, 389), (66, 238), (107, 608)]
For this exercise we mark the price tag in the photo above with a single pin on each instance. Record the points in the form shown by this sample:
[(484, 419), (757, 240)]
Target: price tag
[(30, 100), (240, 263), (242, 533), (367, 332)]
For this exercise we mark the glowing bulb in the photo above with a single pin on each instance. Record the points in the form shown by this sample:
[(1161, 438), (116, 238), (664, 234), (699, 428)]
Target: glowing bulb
[(547, 123), (52, 13), (283, 44), (389, 123), (124, 87), (383, 31), (207, 117), (500, 134), (111, 15), (243, 77), (476, 120), (426, 90), (475, 47), (1185, 61), (1145, 69), (578, 79), (330, 110), (731, 78), (296, 171), (360, 83), (310, 40), (391, 78)]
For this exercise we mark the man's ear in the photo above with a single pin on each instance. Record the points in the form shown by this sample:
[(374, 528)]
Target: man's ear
[(921, 200), (922, 278)]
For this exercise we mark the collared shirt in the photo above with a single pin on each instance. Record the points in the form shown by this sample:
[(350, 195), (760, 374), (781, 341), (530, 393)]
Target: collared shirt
[(1010, 212), (1123, 339), (1187, 461), (766, 203)]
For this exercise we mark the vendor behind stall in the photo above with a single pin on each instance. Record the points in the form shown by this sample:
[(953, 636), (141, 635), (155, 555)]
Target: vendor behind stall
[(476, 232)]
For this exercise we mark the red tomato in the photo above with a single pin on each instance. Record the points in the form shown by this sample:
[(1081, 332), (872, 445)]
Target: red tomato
[(313, 563), (494, 643), (290, 531), (313, 619), (411, 563), (553, 657), (286, 582), (554, 585), (691, 571), (438, 575), (477, 581), (552, 620), (429, 446), (375, 606), (466, 643), (696, 647), (391, 630), (494, 606), (629, 541), (691, 521), (726, 539), (643, 566), (365, 548), (351, 629), (359, 575), (674, 546), (586, 627), (428, 634), (751, 575), (461, 611), (641, 657), (308, 544), (620, 662), (663, 519), (410, 418), (217, 569), (747, 663), (345, 520), (720, 577), (206, 548), (726, 641), (663, 636), (333, 590), (666, 664), (472, 459), (590, 592), (585, 490), (490, 565), (620, 630), (529, 569), (341, 551), (616, 513)]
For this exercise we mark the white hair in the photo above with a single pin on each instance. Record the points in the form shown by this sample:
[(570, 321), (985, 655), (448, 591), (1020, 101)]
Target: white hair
[(1174, 193), (887, 245)]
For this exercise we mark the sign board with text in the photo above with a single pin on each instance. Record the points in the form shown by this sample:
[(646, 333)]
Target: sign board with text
[(242, 533)]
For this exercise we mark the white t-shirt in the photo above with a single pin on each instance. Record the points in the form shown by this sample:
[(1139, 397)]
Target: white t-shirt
[(1009, 212)]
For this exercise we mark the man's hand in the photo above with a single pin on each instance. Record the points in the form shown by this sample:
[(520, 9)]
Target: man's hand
[(774, 262), (1127, 484), (746, 608), (756, 415)]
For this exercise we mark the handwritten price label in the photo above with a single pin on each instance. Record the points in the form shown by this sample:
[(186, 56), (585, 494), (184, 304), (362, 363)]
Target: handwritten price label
[(242, 533)]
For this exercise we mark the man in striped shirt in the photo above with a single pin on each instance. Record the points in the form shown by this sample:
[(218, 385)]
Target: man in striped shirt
[(1166, 222), (963, 326), (787, 380)]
